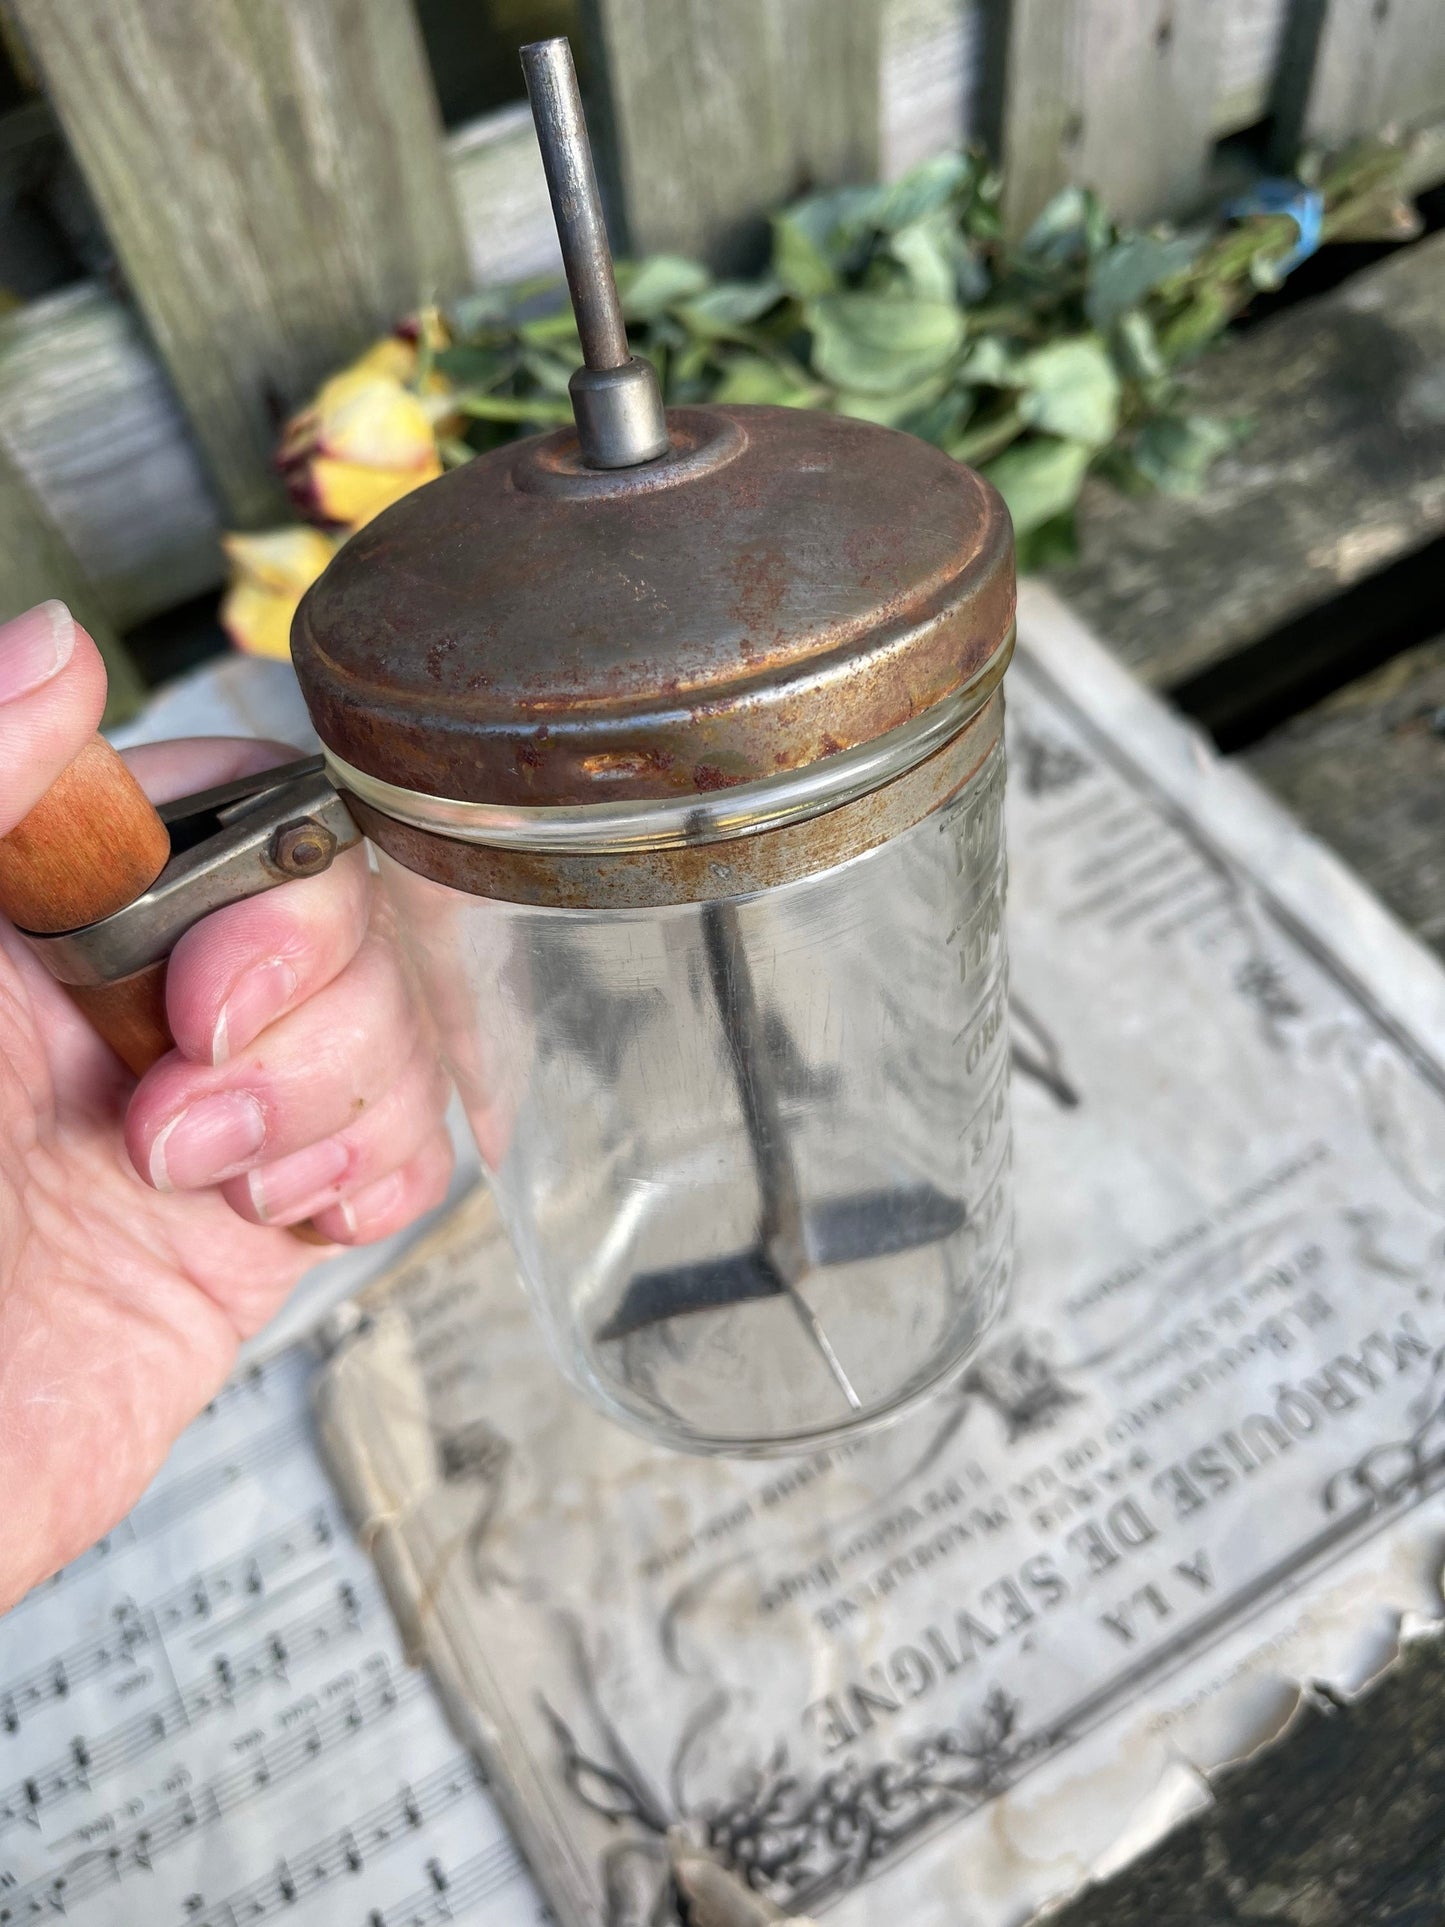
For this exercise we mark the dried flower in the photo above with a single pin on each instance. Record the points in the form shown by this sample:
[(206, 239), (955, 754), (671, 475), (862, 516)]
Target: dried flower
[(269, 575), (370, 435)]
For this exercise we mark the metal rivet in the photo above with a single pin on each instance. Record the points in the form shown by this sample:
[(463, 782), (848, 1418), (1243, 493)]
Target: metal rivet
[(302, 849)]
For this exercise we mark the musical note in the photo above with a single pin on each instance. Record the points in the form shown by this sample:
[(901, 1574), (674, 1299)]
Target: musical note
[(229, 1681), (449, 1894), (134, 1628), (220, 1673), (354, 1848)]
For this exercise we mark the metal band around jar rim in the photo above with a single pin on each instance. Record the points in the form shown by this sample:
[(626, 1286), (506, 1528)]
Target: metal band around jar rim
[(737, 865), (705, 817)]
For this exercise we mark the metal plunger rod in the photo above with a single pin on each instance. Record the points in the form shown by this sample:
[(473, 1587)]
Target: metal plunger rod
[(615, 396), (572, 184)]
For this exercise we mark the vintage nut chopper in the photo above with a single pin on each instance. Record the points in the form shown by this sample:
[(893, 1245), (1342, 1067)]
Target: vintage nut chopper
[(679, 741)]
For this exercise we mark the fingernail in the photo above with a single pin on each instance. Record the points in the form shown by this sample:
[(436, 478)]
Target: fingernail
[(294, 1187), (210, 1140), (261, 995), (378, 1200), (33, 648)]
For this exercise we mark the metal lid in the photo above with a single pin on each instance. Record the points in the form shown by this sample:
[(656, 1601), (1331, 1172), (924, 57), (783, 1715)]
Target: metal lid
[(645, 609), (778, 587)]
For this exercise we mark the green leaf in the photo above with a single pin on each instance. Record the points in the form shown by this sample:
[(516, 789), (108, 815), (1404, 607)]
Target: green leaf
[(991, 363), (1176, 452), (800, 260), (942, 420), (648, 287), (552, 373), (1071, 227), (817, 242), (1072, 389), (473, 367), (1049, 546), (1136, 347), (981, 438), (882, 344), (1039, 479), (1123, 274), (925, 252), (546, 329), (892, 411), (924, 190), (753, 378), (728, 311)]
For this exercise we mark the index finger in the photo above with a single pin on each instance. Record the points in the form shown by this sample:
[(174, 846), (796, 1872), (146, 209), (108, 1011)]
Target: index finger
[(249, 964)]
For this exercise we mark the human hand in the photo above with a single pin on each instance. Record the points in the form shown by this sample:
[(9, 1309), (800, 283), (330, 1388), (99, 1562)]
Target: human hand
[(138, 1239)]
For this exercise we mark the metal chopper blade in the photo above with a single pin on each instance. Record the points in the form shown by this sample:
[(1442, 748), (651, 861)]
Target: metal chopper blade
[(841, 1231)]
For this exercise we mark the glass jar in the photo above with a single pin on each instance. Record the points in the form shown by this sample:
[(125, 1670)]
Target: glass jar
[(687, 787), (753, 1152)]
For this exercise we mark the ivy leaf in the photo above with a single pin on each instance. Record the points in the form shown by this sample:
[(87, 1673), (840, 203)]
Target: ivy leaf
[(469, 366), (814, 240), (753, 378), (800, 259), (924, 190), (942, 420), (649, 287), (1136, 347), (924, 250), (1039, 479), (1050, 545), (893, 411), (1072, 389), (991, 363), (1133, 267), (1176, 452), (728, 311), (1071, 227), (882, 344)]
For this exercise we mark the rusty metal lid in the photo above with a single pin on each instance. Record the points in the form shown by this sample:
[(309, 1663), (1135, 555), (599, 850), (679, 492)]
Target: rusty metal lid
[(779, 587)]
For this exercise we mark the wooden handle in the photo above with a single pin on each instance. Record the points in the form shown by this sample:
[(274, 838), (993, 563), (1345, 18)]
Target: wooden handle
[(91, 845)]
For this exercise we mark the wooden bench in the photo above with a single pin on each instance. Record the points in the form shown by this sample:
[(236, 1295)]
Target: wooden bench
[(1340, 1824)]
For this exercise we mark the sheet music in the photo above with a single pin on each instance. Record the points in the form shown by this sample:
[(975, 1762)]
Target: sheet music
[(209, 1721)]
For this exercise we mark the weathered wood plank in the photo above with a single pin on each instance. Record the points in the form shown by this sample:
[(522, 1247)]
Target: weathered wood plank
[(1251, 38), (274, 182), (89, 417), (930, 77), (1365, 770), (501, 192), (1042, 122), (1337, 1826), (1372, 65), (35, 565), (1344, 473), (1117, 95), (721, 109)]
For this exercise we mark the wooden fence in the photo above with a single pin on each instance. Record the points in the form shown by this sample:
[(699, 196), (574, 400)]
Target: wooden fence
[(277, 187)]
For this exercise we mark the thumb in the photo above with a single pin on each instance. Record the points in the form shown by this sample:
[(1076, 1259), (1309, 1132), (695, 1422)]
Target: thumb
[(52, 694)]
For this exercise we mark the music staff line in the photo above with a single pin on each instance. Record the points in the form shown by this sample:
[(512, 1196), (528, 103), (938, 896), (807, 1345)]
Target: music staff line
[(269, 1764), (451, 1894), (350, 1850), (231, 1679), (180, 1495), (248, 1574)]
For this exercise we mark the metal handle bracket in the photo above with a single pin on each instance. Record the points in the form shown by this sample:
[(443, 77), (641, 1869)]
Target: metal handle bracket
[(227, 844)]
